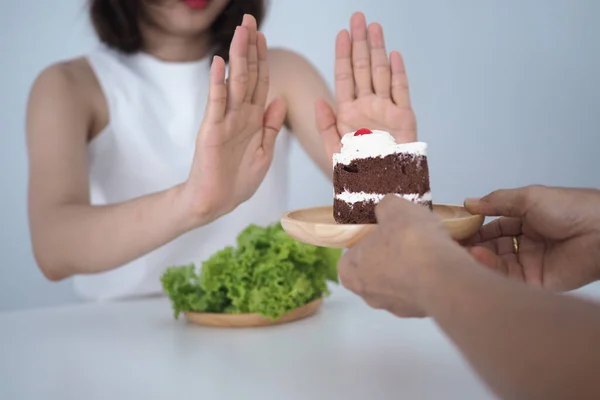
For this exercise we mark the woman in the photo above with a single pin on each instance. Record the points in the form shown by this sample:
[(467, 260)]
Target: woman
[(142, 155)]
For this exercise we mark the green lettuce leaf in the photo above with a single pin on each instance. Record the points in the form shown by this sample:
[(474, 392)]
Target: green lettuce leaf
[(267, 272)]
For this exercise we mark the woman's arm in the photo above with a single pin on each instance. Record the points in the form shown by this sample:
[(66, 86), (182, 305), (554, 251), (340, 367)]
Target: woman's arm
[(233, 152), (298, 82), (70, 236)]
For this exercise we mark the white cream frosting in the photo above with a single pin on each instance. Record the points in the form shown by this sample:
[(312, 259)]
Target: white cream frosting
[(356, 197), (376, 144)]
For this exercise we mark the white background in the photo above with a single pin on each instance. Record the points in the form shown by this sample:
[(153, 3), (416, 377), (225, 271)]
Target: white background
[(506, 94)]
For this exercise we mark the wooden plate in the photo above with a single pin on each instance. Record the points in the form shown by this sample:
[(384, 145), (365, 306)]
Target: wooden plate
[(317, 227), (252, 320)]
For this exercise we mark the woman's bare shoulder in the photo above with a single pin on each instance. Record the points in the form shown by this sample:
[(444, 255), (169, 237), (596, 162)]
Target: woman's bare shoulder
[(72, 76), (71, 83)]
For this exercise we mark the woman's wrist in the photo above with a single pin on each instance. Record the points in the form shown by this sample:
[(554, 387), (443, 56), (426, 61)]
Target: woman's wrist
[(190, 212)]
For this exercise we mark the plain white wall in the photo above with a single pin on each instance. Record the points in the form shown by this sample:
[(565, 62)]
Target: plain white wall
[(506, 93)]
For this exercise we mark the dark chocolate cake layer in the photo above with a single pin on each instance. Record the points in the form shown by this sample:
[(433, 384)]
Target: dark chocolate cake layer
[(395, 173), (362, 212)]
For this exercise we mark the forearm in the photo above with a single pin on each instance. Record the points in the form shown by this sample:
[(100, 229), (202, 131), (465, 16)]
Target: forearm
[(300, 93), (524, 342), (81, 239), (303, 126)]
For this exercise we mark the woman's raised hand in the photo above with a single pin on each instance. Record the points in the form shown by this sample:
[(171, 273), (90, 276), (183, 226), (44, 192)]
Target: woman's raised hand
[(235, 145), (371, 90)]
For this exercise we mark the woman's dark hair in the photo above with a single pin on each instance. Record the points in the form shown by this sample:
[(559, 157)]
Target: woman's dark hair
[(117, 23)]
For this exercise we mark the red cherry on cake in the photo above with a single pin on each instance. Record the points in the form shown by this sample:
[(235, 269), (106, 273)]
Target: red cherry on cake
[(362, 131)]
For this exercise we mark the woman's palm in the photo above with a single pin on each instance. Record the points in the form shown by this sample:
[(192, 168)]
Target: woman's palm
[(371, 90), (377, 113), (236, 142)]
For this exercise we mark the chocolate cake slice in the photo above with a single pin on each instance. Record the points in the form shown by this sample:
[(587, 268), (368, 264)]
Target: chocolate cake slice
[(371, 165)]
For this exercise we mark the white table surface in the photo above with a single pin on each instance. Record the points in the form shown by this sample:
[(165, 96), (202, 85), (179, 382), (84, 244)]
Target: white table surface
[(136, 350)]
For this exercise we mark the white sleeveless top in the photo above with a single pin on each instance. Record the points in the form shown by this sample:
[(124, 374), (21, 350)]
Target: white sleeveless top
[(155, 110)]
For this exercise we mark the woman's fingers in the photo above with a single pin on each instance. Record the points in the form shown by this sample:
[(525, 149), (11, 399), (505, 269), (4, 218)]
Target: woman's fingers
[(261, 91), (344, 75), (250, 24), (361, 60), (273, 121), (380, 66), (217, 93), (400, 93), (326, 124), (237, 82)]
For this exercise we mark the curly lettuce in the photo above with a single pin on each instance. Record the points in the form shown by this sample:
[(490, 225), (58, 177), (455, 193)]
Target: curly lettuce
[(267, 273)]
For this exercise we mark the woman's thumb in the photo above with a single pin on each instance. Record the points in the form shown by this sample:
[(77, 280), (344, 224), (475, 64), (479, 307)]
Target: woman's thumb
[(273, 122), (326, 123)]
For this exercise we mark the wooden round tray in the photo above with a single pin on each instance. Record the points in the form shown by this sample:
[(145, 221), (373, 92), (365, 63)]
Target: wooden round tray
[(252, 320), (316, 225)]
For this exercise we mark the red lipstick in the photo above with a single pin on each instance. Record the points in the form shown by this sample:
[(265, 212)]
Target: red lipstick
[(197, 4)]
